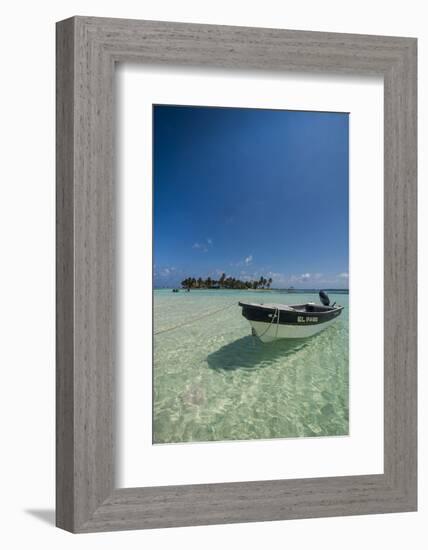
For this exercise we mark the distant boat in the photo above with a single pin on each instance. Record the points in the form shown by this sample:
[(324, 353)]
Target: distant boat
[(275, 321)]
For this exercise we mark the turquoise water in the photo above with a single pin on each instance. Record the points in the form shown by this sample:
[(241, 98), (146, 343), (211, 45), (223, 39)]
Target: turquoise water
[(213, 381)]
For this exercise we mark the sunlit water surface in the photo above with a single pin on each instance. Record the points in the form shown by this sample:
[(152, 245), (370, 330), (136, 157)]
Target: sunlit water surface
[(213, 381)]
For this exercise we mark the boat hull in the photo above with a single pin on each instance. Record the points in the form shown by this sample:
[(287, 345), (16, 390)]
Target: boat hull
[(268, 332), (275, 321)]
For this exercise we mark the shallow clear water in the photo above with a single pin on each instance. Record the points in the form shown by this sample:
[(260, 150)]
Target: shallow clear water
[(213, 381)]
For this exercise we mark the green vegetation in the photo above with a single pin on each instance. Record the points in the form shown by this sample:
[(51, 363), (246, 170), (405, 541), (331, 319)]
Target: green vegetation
[(226, 282)]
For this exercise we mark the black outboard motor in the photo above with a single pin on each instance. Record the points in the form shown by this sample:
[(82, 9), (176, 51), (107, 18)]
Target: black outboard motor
[(325, 300)]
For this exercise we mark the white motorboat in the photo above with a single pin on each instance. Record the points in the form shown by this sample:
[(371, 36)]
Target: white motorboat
[(274, 321)]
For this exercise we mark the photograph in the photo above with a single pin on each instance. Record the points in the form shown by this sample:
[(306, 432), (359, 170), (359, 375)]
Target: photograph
[(250, 274)]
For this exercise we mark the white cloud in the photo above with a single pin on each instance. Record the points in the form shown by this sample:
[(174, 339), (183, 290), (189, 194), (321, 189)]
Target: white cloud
[(198, 246), (343, 275), (285, 280), (166, 271), (248, 259), (202, 246)]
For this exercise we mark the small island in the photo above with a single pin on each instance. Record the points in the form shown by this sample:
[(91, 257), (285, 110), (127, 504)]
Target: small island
[(227, 282)]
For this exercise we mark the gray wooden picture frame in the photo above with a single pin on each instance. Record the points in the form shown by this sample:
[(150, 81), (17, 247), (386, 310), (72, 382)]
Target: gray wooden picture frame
[(87, 50)]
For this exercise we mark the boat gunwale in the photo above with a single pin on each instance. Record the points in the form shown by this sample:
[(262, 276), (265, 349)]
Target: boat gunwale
[(272, 307)]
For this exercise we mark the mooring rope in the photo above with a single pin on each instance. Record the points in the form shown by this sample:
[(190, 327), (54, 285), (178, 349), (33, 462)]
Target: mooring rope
[(275, 315), (168, 329)]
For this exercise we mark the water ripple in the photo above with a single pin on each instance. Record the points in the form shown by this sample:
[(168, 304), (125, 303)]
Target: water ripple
[(213, 381)]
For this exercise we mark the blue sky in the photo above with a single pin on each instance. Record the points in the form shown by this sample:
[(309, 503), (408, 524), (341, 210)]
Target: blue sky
[(250, 192)]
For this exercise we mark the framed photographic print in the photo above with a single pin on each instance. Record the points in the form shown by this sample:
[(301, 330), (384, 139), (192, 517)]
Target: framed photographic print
[(236, 274)]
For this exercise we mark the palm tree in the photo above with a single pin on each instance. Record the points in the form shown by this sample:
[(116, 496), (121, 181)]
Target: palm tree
[(229, 282)]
